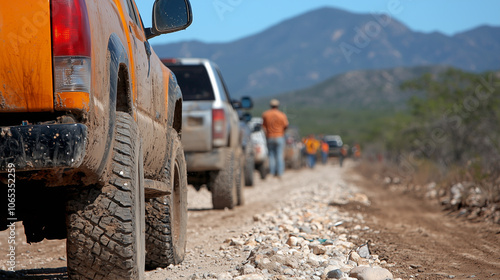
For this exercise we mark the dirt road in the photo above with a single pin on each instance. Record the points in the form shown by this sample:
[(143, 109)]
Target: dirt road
[(424, 241), (414, 239)]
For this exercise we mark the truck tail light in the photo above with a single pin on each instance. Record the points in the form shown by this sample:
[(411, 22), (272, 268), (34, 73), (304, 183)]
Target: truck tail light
[(71, 46), (219, 127)]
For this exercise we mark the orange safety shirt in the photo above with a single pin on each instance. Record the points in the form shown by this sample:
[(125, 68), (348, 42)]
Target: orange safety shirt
[(312, 146), (325, 147), (274, 122)]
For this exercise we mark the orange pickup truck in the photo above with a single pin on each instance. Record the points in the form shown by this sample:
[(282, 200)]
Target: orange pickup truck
[(90, 126)]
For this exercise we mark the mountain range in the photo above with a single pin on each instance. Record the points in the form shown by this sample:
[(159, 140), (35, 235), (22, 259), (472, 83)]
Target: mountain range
[(312, 47), (358, 90)]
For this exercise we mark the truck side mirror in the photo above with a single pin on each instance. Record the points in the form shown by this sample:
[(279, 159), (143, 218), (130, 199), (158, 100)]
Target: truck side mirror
[(170, 16)]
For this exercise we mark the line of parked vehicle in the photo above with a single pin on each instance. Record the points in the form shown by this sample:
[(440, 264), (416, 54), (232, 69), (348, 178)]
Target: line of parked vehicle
[(223, 144)]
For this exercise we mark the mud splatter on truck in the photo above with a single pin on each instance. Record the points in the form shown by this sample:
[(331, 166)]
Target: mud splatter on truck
[(91, 121)]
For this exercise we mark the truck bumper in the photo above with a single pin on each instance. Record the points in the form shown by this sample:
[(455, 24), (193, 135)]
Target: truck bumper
[(38, 147), (207, 161)]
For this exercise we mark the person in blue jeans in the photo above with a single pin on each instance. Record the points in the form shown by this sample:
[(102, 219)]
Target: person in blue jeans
[(276, 148), (275, 123)]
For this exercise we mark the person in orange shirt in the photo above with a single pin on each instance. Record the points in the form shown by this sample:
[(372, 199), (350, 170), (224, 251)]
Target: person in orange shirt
[(275, 123), (312, 146)]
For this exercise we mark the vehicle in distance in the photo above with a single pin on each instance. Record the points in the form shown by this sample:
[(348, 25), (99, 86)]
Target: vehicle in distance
[(246, 141), (294, 156), (211, 131), (334, 144), (261, 154), (89, 140)]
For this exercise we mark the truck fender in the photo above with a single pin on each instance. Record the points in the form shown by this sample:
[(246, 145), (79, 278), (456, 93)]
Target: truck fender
[(117, 57), (174, 118), (174, 115)]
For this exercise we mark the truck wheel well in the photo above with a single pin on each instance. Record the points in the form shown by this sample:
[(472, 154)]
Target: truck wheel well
[(177, 125), (123, 100)]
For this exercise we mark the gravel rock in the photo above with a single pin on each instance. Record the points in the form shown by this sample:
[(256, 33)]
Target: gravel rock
[(355, 257), (292, 241), (248, 269), (456, 193), (334, 274), (306, 236), (370, 273), (224, 276), (303, 239), (250, 277), (317, 249), (363, 251)]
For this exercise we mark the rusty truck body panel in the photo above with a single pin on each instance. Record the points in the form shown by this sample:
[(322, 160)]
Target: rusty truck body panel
[(25, 57), (119, 47)]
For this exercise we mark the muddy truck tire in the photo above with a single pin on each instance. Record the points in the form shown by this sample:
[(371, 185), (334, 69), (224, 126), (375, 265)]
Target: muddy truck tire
[(223, 185), (166, 216), (106, 225)]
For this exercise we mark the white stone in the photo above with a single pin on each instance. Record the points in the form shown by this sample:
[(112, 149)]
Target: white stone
[(370, 273), (250, 277), (292, 241)]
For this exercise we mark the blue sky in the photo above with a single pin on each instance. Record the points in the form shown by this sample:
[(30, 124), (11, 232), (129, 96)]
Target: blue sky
[(228, 20)]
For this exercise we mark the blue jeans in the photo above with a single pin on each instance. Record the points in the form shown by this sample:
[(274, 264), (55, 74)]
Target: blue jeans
[(276, 147), (324, 157), (311, 160)]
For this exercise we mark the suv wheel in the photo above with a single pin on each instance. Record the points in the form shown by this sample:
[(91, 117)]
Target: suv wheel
[(263, 169), (106, 225), (249, 169), (223, 185)]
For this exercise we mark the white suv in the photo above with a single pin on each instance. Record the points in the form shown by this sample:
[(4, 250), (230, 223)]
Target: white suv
[(261, 154), (210, 131)]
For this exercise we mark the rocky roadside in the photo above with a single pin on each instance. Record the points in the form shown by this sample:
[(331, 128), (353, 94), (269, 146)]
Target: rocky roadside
[(306, 236), (476, 201)]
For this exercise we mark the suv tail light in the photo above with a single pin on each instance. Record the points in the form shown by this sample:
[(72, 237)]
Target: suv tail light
[(219, 127), (71, 46), (169, 61)]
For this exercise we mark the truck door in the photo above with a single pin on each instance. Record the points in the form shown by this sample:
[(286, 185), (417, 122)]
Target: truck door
[(146, 99), (141, 52)]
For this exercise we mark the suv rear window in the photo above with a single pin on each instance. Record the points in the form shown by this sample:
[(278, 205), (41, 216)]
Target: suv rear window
[(194, 82), (333, 143)]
